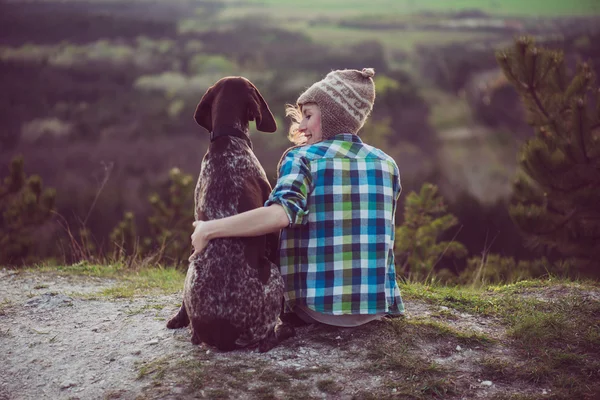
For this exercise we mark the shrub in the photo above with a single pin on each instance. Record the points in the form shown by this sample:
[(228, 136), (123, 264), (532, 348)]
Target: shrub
[(24, 205), (417, 248)]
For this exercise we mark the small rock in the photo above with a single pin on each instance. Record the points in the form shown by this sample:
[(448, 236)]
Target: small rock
[(486, 383), (67, 384), (458, 348), (136, 352), (152, 342), (394, 390), (177, 390), (338, 338), (207, 352), (444, 308)]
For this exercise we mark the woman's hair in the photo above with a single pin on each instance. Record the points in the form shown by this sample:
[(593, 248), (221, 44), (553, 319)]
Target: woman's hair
[(295, 114)]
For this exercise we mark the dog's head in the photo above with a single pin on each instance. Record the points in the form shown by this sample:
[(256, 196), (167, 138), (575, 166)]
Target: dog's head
[(234, 99)]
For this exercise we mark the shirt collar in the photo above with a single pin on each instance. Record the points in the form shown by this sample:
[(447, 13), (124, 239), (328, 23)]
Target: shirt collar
[(347, 137)]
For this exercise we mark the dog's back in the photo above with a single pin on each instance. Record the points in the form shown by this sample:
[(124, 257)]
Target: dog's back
[(232, 181), (225, 290)]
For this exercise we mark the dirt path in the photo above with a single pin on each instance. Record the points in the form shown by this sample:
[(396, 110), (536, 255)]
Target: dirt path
[(59, 341)]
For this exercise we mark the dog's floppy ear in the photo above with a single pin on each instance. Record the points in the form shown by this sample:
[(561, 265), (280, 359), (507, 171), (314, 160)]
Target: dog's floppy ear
[(259, 112), (203, 115)]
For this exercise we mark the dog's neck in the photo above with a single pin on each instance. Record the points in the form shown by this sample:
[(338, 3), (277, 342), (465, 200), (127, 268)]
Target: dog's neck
[(230, 131)]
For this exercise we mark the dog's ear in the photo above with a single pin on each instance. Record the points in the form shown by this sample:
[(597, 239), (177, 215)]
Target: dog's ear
[(260, 113), (203, 115)]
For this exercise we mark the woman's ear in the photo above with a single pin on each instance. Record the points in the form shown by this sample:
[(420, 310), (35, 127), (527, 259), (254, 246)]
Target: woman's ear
[(203, 114), (260, 113)]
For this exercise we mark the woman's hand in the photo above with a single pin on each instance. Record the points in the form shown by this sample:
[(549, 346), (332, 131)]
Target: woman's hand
[(199, 240)]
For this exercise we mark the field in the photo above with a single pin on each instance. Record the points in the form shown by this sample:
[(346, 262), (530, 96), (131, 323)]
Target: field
[(335, 8), (95, 81)]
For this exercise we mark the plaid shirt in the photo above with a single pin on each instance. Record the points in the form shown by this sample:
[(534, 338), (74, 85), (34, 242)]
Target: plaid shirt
[(337, 253)]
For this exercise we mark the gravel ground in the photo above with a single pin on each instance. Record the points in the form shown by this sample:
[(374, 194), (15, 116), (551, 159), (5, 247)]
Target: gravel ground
[(60, 341)]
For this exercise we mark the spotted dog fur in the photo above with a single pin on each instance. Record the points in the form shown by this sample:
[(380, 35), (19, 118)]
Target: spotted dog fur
[(233, 289)]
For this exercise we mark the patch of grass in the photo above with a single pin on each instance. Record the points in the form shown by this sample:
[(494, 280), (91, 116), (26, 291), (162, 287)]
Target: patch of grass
[(155, 280), (434, 329), (557, 344), (131, 282), (118, 292), (144, 308), (5, 305), (328, 386), (264, 392), (445, 315), (217, 394), (553, 333), (413, 375), (299, 391), (84, 268), (156, 368), (276, 378), (306, 373), (460, 298), (41, 286)]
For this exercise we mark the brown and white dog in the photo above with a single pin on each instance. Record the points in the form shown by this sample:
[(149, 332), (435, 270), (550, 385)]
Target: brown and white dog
[(233, 290)]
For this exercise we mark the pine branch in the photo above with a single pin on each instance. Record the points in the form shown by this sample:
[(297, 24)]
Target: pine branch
[(580, 128), (561, 224), (541, 108)]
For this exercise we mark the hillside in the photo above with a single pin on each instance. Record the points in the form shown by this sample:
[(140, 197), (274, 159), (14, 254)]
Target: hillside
[(88, 332)]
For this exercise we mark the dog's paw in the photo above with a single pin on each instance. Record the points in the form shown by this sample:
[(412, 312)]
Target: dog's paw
[(268, 342), (284, 331), (177, 322), (196, 339)]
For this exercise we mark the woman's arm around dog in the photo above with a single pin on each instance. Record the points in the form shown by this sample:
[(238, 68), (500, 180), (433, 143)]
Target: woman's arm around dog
[(259, 221)]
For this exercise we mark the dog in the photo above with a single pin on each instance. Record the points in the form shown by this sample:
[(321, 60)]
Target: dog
[(233, 289)]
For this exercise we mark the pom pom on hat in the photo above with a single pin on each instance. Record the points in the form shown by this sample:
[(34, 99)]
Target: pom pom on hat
[(368, 72), (345, 99)]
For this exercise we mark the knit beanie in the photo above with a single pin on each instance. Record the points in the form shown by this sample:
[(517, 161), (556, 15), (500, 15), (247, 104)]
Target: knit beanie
[(345, 99)]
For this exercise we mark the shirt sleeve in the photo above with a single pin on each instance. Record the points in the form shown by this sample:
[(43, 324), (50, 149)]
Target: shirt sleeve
[(292, 188)]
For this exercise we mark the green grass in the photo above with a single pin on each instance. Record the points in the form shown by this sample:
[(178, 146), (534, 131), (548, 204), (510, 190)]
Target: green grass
[(553, 329), (393, 39), (387, 7), (439, 330), (130, 282)]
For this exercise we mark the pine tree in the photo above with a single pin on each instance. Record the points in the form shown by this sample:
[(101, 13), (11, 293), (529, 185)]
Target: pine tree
[(24, 206), (417, 247), (556, 200)]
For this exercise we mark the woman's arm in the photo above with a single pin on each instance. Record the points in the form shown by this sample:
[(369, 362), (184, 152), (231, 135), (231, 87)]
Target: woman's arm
[(259, 221)]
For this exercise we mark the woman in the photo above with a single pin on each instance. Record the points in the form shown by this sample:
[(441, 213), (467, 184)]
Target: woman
[(334, 202)]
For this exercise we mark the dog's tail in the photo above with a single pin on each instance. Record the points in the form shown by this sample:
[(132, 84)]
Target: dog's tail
[(217, 332)]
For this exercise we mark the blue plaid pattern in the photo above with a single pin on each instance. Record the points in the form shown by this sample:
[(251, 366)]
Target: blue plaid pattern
[(337, 253)]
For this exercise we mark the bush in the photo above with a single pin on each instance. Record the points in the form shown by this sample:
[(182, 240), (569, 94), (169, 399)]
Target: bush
[(417, 248), (25, 206)]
